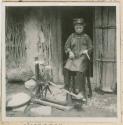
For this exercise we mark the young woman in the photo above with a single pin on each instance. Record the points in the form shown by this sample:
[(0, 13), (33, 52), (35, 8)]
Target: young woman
[(78, 47)]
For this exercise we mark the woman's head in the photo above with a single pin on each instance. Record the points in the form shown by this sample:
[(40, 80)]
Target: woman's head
[(79, 25), (78, 28)]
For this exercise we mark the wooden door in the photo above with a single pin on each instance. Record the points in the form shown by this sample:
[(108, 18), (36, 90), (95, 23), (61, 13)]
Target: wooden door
[(105, 47)]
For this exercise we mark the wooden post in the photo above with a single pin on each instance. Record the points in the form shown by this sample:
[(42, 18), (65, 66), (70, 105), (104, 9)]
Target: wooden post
[(36, 68), (61, 107)]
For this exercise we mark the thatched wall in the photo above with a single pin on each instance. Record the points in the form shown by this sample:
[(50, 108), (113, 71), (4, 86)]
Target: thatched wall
[(15, 40), (38, 34)]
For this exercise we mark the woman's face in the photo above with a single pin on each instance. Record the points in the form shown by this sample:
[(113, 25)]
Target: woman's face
[(78, 28)]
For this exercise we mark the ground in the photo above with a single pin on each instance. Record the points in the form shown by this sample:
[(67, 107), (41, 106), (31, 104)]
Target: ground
[(98, 106)]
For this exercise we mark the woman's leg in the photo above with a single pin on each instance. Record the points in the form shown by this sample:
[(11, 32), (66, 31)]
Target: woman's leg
[(67, 79), (80, 83), (89, 86)]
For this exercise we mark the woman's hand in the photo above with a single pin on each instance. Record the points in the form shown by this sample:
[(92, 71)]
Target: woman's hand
[(85, 52), (71, 55)]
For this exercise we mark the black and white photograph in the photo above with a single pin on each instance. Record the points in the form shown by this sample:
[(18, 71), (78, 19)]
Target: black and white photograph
[(60, 61)]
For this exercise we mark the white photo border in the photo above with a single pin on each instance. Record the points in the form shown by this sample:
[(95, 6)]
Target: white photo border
[(61, 119)]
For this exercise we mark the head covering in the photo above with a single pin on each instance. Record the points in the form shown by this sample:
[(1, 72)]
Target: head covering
[(78, 21)]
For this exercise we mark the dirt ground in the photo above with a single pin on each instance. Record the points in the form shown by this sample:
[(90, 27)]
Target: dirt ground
[(98, 106)]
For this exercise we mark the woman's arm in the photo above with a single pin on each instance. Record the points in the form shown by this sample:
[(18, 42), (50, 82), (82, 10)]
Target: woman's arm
[(89, 49), (68, 45), (89, 44)]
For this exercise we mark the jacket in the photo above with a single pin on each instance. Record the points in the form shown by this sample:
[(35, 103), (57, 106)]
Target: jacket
[(77, 43)]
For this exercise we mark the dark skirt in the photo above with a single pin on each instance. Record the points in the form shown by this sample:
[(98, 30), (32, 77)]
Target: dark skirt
[(74, 80)]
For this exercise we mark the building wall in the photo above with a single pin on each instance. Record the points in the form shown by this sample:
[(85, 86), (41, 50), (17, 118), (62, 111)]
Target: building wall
[(39, 35)]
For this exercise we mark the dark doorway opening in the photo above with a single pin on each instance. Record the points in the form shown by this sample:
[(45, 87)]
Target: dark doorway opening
[(68, 14)]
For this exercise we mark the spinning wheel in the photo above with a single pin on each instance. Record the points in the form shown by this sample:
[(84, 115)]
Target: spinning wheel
[(42, 84)]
